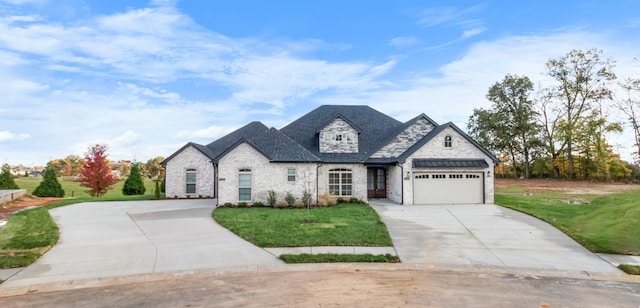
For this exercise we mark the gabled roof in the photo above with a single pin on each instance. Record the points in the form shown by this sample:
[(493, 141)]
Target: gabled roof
[(271, 143), (373, 125), (437, 131), (343, 118)]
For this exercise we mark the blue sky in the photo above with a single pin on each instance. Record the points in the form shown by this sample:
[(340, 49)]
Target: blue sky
[(146, 77)]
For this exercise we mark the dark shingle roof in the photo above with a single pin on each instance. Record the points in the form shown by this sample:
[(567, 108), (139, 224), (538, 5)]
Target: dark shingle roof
[(373, 125), (449, 163)]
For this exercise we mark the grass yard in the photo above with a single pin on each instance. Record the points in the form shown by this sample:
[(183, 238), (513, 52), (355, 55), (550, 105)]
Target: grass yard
[(341, 225), (602, 223), (73, 189), (335, 258)]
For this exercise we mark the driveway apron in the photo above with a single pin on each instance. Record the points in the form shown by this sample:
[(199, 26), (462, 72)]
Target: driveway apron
[(484, 236), (109, 239)]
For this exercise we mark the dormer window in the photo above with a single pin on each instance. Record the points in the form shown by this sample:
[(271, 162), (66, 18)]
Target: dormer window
[(447, 141), (338, 136)]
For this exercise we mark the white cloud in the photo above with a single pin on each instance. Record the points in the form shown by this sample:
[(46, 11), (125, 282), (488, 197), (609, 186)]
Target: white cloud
[(6, 135), (404, 41)]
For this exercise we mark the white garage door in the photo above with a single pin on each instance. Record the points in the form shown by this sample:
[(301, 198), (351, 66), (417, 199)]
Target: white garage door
[(448, 188)]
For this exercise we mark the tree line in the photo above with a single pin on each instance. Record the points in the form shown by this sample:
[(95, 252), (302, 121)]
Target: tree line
[(95, 172), (561, 131)]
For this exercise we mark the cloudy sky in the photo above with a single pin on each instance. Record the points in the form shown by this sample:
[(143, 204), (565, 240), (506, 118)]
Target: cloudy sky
[(146, 77)]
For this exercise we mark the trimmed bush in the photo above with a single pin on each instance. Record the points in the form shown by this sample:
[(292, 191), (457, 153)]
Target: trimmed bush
[(289, 199), (6, 179), (49, 187), (134, 184), (242, 204), (258, 204)]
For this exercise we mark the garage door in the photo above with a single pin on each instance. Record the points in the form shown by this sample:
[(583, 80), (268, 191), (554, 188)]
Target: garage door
[(448, 188)]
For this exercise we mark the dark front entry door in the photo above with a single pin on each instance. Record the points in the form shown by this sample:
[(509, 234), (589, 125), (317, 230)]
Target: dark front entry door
[(376, 183)]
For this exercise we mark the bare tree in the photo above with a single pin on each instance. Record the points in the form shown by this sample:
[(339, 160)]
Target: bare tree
[(631, 108)]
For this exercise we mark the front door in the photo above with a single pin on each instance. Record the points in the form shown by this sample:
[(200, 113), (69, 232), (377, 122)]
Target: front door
[(376, 183)]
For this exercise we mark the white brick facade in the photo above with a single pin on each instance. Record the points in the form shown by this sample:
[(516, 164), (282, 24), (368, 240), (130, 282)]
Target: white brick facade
[(461, 148), (265, 176), (176, 170)]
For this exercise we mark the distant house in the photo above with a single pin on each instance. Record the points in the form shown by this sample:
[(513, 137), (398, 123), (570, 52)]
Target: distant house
[(346, 151)]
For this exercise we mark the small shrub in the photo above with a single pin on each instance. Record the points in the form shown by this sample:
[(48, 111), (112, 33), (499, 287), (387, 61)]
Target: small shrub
[(228, 204), (306, 198), (271, 199), (242, 204), (258, 204), (355, 200), (298, 205), (6, 179), (290, 199), (340, 200), (49, 187), (281, 205), (134, 184), (326, 199)]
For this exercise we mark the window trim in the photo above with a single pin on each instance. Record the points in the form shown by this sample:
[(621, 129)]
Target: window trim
[(291, 174), (448, 141), (241, 187), (189, 183), (344, 183)]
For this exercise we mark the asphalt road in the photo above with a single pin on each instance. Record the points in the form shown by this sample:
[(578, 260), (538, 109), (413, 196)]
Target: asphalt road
[(347, 285)]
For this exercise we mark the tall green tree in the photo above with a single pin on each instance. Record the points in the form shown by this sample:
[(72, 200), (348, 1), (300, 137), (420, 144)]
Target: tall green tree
[(582, 78), (49, 187), (6, 179), (134, 184), (510, 126), (96, 172)]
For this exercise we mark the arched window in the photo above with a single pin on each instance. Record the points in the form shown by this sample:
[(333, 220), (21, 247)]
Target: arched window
[(244, 185), (340, 182), (447, 141), (190, 181)]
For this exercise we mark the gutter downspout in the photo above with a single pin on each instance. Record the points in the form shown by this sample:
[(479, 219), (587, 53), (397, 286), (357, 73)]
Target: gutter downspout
[(401, 183), (318, 182), (215, 183)]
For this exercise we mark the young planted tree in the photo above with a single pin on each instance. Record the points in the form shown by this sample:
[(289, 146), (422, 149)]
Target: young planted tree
[(49, 187), (582, 78), (6, 179), (96, 172), (134, 184)]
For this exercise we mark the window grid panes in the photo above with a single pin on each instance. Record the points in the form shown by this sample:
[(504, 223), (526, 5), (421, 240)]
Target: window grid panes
[(291, 175), (340, 182), (191, 181), (447, 141), (244, 185)]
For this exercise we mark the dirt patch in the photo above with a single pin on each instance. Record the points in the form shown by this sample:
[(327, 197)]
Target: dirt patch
[(7, 209), (564, 186)]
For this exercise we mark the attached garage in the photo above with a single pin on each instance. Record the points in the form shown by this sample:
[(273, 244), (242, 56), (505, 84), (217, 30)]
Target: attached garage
[(447, 185)]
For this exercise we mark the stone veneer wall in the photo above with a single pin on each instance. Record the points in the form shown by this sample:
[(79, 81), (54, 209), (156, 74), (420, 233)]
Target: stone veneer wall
[(461, 148), (265, 176), (405, 139), (176, 169), (339, 126)]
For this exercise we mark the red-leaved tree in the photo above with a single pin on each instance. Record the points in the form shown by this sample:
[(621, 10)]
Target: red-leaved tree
[(96, 172)]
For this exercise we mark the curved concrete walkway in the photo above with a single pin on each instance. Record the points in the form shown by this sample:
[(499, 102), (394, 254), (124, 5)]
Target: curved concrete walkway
[(110, 239), (484, 236)]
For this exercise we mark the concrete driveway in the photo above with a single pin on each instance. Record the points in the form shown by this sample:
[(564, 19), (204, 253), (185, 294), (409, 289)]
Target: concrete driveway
[(109, 239), (484, 236)]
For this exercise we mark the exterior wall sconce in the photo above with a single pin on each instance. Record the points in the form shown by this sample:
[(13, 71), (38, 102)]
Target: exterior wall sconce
[(408, 175), (489, 173)]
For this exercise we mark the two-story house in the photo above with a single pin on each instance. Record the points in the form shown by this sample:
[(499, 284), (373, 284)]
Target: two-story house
[(347, 151)]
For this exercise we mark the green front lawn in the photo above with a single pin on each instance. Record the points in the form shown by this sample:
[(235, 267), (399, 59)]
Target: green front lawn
[(603, 224), (341, 225), (73, 189), (335, 258)]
